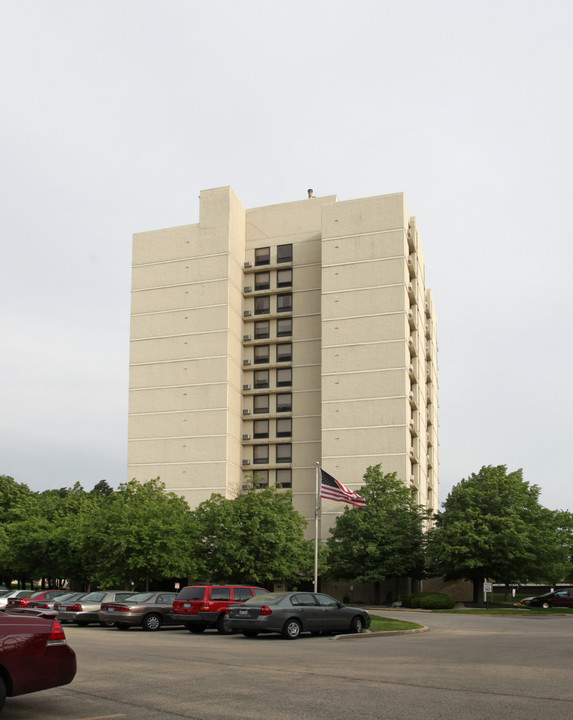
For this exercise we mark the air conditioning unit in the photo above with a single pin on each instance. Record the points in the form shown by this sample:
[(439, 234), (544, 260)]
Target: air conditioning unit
[(244, 488), (247, 313), (246, 462), (246, 436), (248, 289), (247, 265), (246, 387), (246, 411), (246, 362), (246, 338)]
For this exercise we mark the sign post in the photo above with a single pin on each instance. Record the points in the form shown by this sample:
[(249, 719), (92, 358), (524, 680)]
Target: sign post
[(487, 588)]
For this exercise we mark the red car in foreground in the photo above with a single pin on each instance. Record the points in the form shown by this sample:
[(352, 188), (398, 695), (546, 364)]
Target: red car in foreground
[(34, 655)]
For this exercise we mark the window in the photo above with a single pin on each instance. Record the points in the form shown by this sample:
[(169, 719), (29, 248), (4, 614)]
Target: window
[(262, 256), (284, 352), (260, 479), (284, 402), (284, 327), (284, 453), (262, 304), (284, 303), (284, 427), (261, 429), (260, 403), (261, 379), (284, 253), (242, 594), (303, 599), (262, 280), (262, 329), (284, 478), (261, 354), (221, 593), (284, 278), (261, 454), (284, 377), (326, 600)]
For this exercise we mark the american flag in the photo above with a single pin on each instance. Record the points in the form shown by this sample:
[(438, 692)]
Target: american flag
[(334, 490)]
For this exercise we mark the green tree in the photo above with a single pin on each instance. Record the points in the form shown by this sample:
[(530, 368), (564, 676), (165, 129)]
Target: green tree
[(256, 538), (139, 533), (492, 526), (383, 540)]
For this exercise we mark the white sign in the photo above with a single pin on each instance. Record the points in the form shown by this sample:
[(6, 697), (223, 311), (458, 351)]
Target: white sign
[(487, 587)]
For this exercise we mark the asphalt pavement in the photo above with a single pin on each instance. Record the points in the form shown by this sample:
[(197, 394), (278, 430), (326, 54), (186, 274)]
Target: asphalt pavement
[(467, 667)]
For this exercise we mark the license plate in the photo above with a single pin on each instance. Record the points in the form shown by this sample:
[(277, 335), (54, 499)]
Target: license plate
[(243, 612), (186, 606)]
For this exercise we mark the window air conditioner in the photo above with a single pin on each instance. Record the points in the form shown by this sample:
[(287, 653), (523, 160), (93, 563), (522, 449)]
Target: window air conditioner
[(246, 362), (246, 338), (246, 411), (246, 387), (246, 313), (246, 436), (246, 462), (247, 289), (247, 265)]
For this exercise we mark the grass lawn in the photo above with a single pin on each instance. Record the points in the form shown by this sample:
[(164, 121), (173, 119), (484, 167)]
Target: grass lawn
[(379, 624)]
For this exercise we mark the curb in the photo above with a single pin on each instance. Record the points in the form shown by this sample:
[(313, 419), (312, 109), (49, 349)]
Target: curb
[(382, 633)]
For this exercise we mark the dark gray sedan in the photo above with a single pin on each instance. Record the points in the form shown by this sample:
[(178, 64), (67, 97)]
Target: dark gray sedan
[(292, 613)]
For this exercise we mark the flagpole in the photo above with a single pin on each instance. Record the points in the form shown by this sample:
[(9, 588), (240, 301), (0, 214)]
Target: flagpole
[(316, 501)]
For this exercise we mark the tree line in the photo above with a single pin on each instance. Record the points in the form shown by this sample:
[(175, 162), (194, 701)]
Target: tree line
[(491, 526)]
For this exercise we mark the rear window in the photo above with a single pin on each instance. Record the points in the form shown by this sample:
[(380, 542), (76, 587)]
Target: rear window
[(94, 597), (191, 593), (141, 597)]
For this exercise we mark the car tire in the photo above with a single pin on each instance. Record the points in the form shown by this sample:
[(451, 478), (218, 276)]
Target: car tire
[(81, 623), (2, 693), (250, 633), (546, 605), (151, 622), (122, 626), (357, 624), (223, 625), (292, 629), (196, 629)]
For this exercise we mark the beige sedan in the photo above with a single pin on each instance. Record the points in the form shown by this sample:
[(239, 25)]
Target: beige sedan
[(149, 610)]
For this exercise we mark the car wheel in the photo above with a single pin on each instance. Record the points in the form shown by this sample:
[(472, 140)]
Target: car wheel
[(546, 605), (2, 693), (122, 626), (196, 629), (250, 633), (223, 625), (292, 629), (151, 622), (357, 624)]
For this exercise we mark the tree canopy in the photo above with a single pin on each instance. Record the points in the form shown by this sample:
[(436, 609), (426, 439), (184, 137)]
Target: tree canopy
[(492, 526), (384, 539)]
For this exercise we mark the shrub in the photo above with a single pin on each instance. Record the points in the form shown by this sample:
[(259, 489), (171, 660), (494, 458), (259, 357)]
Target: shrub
[(428, 601)]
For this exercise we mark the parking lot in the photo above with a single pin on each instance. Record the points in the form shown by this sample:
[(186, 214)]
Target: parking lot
[(466, 667)]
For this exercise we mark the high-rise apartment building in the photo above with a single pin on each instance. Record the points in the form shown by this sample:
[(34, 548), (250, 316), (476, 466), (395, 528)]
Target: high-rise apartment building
[(266, 340)]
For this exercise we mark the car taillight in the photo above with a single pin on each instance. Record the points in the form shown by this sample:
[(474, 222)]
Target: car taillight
[(42, 605), (105, 607), (265, 610), (74, 608), (57, 635), (205, 607)]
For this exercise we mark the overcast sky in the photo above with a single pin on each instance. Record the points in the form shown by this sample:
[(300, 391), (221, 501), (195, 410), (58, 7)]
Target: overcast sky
[(116, 114)]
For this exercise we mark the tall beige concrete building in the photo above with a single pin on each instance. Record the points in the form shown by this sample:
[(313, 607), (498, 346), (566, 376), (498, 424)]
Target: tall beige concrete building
[(266, 340)]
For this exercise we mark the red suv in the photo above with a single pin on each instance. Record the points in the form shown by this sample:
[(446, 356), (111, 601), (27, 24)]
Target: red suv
[(200, 607)]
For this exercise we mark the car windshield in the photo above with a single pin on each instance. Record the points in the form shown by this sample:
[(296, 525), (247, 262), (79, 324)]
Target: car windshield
[(94, 597), (141, 597)]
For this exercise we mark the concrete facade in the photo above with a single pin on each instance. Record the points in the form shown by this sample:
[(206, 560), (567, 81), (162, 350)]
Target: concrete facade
[(266, 340)]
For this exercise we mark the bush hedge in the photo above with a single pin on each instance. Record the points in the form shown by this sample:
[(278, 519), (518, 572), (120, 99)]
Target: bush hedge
[(428, 601)]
